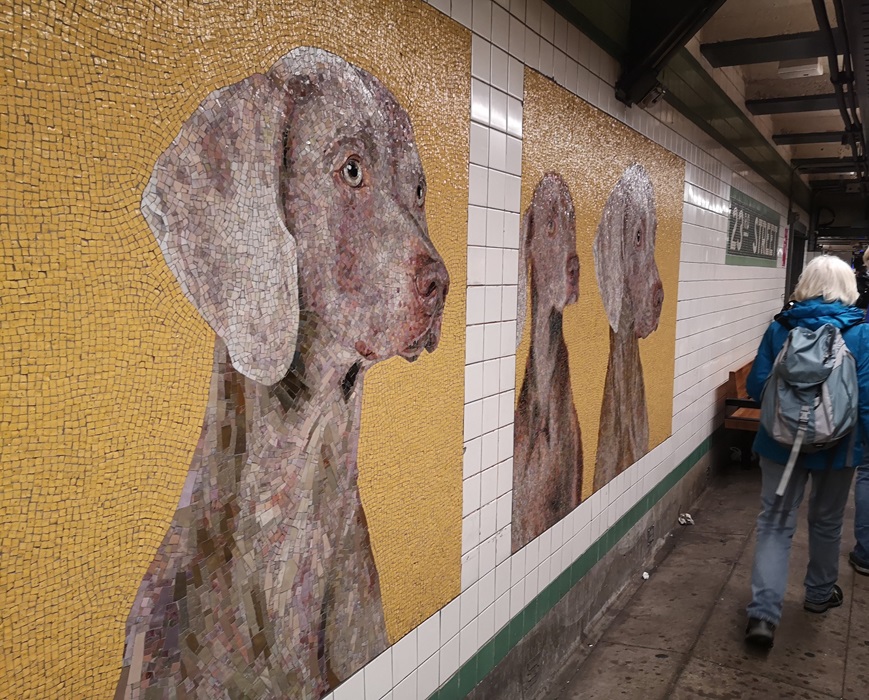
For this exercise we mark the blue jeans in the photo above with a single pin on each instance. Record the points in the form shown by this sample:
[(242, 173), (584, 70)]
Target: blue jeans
[(861, 514), (775, 530)]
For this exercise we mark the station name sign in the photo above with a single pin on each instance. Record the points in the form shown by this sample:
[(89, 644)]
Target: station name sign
[(752, 233)]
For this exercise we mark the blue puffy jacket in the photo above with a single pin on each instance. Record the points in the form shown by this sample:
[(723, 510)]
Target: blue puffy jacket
[(813, 314)]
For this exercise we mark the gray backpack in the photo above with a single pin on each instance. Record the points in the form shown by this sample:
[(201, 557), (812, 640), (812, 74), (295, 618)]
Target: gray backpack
[(809, 401)]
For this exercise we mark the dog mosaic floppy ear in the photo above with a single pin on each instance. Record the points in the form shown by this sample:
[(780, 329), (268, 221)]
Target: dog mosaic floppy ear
[(213, 205)]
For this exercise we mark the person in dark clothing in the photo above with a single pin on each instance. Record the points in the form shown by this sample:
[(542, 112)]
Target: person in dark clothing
[(824, 294), (859, 556), (861, 274)]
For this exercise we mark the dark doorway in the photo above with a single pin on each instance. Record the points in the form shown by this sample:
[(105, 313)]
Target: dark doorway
[(796, 256)]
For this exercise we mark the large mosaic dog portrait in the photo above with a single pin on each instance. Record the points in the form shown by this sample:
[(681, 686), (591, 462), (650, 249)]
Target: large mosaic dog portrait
[(291, 210), (611, 348), (633, 295), (547, 460)]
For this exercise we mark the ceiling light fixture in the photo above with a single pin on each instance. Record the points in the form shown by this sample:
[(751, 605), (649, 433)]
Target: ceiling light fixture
[(800, 68)]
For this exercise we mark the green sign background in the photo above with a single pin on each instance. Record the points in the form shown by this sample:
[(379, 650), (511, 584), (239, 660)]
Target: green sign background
[(752, 233)]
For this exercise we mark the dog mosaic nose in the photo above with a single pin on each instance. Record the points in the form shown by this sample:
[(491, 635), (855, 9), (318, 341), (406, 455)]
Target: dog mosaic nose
[(432, 283), (659, 295)]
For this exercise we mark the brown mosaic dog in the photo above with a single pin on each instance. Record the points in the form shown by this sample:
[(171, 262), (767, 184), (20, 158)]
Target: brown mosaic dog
[(547, 461), (290, 208), (624, 260)]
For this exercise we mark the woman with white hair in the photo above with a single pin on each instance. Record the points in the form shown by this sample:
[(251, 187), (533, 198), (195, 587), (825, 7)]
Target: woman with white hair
[(825, 294)]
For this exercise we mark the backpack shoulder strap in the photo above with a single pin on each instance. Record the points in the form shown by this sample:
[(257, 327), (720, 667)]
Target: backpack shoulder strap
[(784, 321)]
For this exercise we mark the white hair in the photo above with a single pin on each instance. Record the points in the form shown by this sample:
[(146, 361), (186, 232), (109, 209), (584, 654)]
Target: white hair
[(829, 277)]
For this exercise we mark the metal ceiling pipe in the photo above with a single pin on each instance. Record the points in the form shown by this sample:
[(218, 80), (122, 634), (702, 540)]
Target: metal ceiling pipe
[(835, 78), (847, 68)]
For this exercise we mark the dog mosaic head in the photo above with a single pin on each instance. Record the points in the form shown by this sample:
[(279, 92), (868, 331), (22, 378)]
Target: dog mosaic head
[(624, 254), (301, 188), (547, 249)]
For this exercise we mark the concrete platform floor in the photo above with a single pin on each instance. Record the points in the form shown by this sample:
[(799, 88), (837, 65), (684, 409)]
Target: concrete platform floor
[(678, 635)]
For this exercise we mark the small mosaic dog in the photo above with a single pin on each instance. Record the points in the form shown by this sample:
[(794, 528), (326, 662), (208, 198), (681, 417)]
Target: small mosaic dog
[(547, 462), (630, 285), (291, 210)]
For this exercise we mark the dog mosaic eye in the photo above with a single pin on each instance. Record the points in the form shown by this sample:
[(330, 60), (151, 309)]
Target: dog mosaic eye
[(351, 171), (639, 236), (420, 193)]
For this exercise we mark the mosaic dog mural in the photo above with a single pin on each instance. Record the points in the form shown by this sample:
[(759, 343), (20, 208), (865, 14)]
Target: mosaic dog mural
[(632, 293), (291, 210), (547, 462)]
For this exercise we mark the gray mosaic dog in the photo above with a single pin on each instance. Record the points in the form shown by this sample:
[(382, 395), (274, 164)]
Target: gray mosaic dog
[(630, 285), (547, 463), (290, 208)]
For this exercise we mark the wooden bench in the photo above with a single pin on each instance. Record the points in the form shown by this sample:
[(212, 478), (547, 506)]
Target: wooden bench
[(740, 411)]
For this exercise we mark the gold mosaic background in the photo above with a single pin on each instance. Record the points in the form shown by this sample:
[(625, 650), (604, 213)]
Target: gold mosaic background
[(590, 150), (105, 365)]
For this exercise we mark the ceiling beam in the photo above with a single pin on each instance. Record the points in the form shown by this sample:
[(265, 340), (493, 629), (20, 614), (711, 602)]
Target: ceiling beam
[(841, 185), (824, 165), (856, 16), (766, 49), (786, 105), (809, 137), (822, 161), (656, 32), (841, 233)]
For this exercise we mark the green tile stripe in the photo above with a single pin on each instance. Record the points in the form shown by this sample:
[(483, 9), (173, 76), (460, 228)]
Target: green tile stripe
[(748, 261), (480, 665)]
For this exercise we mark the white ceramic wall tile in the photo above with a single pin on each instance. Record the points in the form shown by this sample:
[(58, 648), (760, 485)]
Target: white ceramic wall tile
[(378, 676), (480, 58), (442, 5), (500, 64), (532, 14), (500, 26), (478, 185), (547, 58), (517, 9), (428, 675), (406, 689), (498, 109), (514, 117), (547, 22), (515, 77), (449, 658), (353, 688), (462, 11), (479, 101), (532, 48), (482, 17)]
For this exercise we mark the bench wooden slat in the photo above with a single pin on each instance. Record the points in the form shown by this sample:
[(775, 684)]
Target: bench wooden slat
[(740, 411), (736, 424), (746, 414)]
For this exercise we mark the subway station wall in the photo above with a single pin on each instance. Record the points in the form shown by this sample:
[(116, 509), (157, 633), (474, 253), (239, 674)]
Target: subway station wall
[(317, 321)]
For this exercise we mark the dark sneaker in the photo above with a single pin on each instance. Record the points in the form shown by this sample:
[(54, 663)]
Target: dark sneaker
[(834, 601), (759, 633), (860, 566)]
